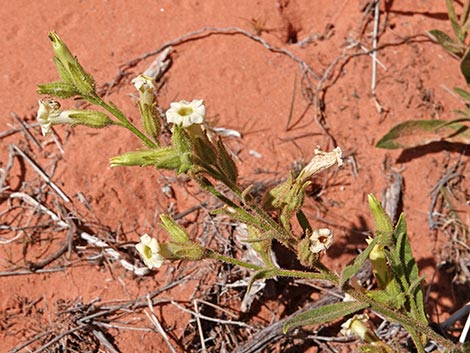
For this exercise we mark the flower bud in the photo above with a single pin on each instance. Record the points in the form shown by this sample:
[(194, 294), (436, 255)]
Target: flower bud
[(69, 68), (147, 105), (165, 158), (380, 267)]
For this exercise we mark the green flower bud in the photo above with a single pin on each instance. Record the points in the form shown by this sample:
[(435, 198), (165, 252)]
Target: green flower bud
[(147, 105), (69, 68), (165, 158)]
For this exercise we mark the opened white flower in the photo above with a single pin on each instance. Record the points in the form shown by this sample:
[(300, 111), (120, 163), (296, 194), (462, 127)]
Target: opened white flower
[(321, 239), (185, 113), (149, 249), (146, 87), (49, 113)]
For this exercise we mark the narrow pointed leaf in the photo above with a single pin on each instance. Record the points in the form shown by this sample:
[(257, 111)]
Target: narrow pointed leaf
[(462, 93), (415, 133), (324, 314), (446, 42)]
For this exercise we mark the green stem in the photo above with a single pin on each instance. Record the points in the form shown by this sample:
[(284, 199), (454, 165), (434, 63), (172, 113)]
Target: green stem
[(327, 276), (413, 326), (215, 255), (95, 99)]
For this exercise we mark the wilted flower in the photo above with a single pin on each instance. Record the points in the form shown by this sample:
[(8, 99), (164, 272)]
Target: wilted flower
[(321, 239), (321, 161), (185, 113), (149, 249)]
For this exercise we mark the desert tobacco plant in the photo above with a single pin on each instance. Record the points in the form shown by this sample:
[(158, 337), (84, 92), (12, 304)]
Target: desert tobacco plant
[(203, 156)]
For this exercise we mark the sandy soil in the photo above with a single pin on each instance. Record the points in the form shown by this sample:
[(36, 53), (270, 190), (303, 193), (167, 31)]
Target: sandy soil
[(248, 86)]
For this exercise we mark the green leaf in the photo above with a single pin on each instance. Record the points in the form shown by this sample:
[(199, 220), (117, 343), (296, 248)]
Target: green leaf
[(465, 66), (351, 270), (446, 42), (415, 133), (462, 93), (408, 270), (324, 314), (454, 21)]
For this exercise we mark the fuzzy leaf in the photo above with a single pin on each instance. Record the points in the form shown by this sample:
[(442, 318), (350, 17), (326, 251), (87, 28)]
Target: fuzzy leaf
[(446, 42), (324, 314), (408, 271), (415, 133)]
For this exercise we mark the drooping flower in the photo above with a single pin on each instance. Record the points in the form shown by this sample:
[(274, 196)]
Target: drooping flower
[(321, 239), (149, 249), (321, 161), (49, 113), (186, 113)]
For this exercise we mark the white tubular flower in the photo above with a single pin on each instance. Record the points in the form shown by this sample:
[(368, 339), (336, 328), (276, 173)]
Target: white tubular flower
[(185, 113), (149, 249), (321, 239), (146, 87), (49, 114)]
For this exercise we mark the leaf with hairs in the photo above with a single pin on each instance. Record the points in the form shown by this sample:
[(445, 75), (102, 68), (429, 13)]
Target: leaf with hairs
[(414, 133), (324, 314)]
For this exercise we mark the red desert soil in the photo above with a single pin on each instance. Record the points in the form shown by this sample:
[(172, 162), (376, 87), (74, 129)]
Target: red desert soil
[(247, 87)]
